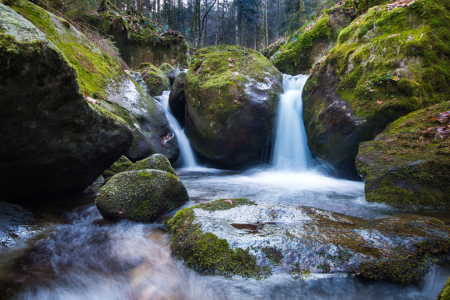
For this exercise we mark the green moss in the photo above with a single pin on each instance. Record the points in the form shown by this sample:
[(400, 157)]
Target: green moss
[(406, 268), (94, 67), (157, 82), (273, 254), (157, 162), (166, 68), (223, 205), (205, 252), (445, 293)]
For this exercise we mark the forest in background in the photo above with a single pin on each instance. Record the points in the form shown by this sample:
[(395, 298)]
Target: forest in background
[(251, 23)]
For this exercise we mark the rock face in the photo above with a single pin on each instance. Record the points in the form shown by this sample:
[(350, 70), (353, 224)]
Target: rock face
[(241, 237), (142, 196), (231, 98), (53, 139), (157, 82), (139, 39), (121, 165), (156, 162), (409, 162), (16, 222), (311, 42), (377, 73), (177, 99), (151, 130), (169, 71)]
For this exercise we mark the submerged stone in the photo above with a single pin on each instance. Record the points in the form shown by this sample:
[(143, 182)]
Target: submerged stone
[(142, 196), (409, 162), (275, 238), (231, 99)]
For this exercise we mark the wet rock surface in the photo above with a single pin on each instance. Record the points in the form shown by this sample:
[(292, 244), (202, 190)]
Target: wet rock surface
[(302, 240), (408, 163), (177, 99), (151, 131), (121, 165), (155, 79), (156, 162), (143, 195), (53, 139), (16, 222), (231, 97)]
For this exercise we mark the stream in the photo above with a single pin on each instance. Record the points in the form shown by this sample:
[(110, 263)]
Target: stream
[(81, 256)]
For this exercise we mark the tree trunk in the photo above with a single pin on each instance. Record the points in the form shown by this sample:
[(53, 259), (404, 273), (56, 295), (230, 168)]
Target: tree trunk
[(237, 26), (267, 26), (217, 22)]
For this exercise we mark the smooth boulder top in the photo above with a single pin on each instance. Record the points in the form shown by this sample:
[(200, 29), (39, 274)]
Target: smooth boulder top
[(156, 162), (142, 196), (300, 240), (231, 99), (157, 82)]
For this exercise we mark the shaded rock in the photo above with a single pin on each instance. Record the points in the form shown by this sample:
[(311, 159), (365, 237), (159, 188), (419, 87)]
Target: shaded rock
[(312, 42), (53, 138), (16, 222), (156, 162), (404, 165), (121, 165), (376, 74), (169, 71), (157, 82), (177, 100), (143, 195), (222, 237), (151, 130), (232, 94)]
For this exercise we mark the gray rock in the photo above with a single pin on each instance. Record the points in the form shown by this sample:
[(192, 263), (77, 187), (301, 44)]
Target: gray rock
[(177, 99)]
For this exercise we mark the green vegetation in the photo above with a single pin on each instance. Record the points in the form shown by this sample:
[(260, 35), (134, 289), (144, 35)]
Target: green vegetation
[(156, 162), (205, 252), (157, 82)]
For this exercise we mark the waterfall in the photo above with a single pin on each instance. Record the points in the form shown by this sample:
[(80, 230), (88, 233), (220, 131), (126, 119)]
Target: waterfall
[(291, 152), (187, 157)]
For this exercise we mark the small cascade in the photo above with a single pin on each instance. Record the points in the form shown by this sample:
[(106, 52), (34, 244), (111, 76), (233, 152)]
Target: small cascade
[(291, 152), (187, 158)]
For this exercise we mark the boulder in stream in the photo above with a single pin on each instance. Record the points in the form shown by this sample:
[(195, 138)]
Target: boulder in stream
[(409, 162), (169, 71), (121, 165), (156, 162), (375, 74), (157, 82), (231, 101), (54, 138), (177, 99), (247, 238), (142, 196)]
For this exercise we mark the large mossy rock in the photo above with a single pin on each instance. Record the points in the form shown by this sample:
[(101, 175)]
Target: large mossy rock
[(404, 165), (53, 138), (169, 71), (231, 99), (138, 38), (242, 237), (142, 196), (445, 293), (177, 99), (121, 165), (156, 162), (151, 130), (312, 41), (391, 61), (157, 82)]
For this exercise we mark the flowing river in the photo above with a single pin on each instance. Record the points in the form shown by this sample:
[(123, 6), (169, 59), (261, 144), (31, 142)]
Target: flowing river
[(82, 256)]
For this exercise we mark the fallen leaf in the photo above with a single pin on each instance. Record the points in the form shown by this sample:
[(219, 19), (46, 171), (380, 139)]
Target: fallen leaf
[(228, 201), (379, 102)]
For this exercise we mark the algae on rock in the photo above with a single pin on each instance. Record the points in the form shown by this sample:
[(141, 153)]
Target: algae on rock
[(409, 163), (156, 162), (157, 82), (231, 98), (387, 63)]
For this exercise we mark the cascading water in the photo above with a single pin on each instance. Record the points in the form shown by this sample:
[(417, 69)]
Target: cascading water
[(187, 157), (291, 152)]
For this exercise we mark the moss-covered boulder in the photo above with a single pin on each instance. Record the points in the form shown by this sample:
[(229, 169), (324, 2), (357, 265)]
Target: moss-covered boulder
[(231, 99), (312, 41), (143, 195), (54, 138), (390, 61), (242, 237), (409, 162), (151, 130), (169, 71), (177, 99), (157, 82), (445, 293), (139, 38), (121, 165), (156, 162)]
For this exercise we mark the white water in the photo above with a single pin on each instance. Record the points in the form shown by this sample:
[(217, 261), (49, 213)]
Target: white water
[(291, 152), (187, 160)]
